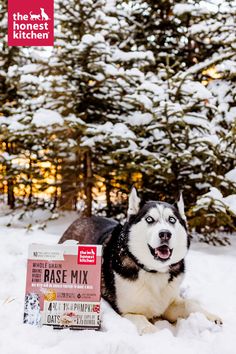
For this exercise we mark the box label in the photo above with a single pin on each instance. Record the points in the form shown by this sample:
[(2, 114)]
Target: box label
[(60, 291), (30, 23), (58, 313), (87, 255)]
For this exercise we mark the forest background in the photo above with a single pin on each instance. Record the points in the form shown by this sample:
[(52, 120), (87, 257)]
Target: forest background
[(133, 92)]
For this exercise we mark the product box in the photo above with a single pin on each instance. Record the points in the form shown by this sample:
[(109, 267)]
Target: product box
[(63, 286)]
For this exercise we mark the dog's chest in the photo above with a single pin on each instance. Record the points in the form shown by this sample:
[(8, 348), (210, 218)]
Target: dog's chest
[(150, 294)]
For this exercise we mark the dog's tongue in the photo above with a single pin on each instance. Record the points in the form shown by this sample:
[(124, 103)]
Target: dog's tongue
[(163, 252)]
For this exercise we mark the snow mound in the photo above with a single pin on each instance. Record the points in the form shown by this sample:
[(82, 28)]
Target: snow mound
[(207, 279), (45, 117)]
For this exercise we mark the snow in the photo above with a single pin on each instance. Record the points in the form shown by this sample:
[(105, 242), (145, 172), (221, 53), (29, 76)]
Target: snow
[(30, 68), (134, 55), (194, 9), (153, 88), (195, 120), (220, 202), (143, 100), (231, 175), (208, 279), (227, 66), (139, 118), (45, 117), (29, 79), (205, 64), (196, 90), (222, 92), (89, 40), (230, 201), (13, 123), (105, 131)]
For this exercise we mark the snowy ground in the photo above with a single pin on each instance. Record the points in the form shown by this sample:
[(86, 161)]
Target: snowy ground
[(210, 278)]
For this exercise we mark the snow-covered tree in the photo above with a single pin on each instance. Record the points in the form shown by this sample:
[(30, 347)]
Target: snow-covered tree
[(93, 85), (9, 98), (22, 92), (175, 139), (214, 213), (134, 92)]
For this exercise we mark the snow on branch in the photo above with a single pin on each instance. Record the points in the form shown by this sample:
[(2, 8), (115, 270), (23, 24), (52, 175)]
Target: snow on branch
[(204, 65)]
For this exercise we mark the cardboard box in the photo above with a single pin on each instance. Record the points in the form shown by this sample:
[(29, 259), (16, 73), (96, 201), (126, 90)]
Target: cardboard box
[(63, 286)]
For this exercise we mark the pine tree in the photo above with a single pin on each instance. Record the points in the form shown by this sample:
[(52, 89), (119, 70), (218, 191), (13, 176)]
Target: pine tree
[(22, 92), (216, 29), (177, 143), (94, 87), (9, 97)]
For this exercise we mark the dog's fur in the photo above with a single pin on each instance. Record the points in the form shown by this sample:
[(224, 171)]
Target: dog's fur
[(32, 309), (143, 261)]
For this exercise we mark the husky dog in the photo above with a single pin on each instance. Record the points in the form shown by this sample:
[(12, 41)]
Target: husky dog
[(143, 261), (32, 309)]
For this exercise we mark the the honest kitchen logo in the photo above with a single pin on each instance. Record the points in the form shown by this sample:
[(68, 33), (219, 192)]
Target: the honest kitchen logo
[(30, 26), (24, 30)]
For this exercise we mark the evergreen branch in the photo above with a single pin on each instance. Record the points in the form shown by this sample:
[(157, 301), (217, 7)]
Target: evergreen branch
[(201, 66)]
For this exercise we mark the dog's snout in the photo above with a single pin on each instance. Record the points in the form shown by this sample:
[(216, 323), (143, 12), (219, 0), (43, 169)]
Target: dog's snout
[(165, 235)]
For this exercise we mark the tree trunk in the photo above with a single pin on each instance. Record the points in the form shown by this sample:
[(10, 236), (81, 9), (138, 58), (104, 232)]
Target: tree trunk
[(66, 199), (10, 193), (88, 174), (10, 181), (108, 197), (67, 189), (55, 196), (29, 176)]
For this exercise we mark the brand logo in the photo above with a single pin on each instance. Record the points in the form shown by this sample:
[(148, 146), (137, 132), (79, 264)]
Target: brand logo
[(87, 255), (30, 23), (48, 255)]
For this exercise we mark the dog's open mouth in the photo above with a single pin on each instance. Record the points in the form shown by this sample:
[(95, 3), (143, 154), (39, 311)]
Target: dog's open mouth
[(162, 253)]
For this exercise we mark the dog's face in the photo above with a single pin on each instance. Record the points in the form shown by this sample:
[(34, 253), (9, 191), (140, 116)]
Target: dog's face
[(31, 301), (158, 234)]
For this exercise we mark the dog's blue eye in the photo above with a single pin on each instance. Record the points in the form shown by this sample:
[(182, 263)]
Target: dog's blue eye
[(149, 219), (172, 220)]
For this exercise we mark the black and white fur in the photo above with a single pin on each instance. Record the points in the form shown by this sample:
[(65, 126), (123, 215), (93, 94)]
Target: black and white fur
[(143, 261), (32, 309)]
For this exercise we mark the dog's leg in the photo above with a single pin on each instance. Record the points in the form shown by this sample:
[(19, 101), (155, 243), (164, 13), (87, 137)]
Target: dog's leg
[(182, 308), (141, 322)]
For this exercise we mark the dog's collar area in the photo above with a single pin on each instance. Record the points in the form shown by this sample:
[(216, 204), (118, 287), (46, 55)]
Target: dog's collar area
[(176, 269), (177, 266), (140, 265)]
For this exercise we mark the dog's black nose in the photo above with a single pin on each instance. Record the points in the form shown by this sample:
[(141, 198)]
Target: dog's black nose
[(165, 235)]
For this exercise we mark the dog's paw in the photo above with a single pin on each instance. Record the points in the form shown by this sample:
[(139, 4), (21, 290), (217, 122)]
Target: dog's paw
[(215, 319), (141, 323), (148, 329)]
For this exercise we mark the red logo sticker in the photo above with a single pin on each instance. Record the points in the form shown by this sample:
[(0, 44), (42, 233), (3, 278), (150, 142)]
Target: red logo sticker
[(30, 23), (87, 255)]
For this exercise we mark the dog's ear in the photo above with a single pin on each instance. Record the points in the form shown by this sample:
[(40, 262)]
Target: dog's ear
[(134, 202), (180, 206)]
